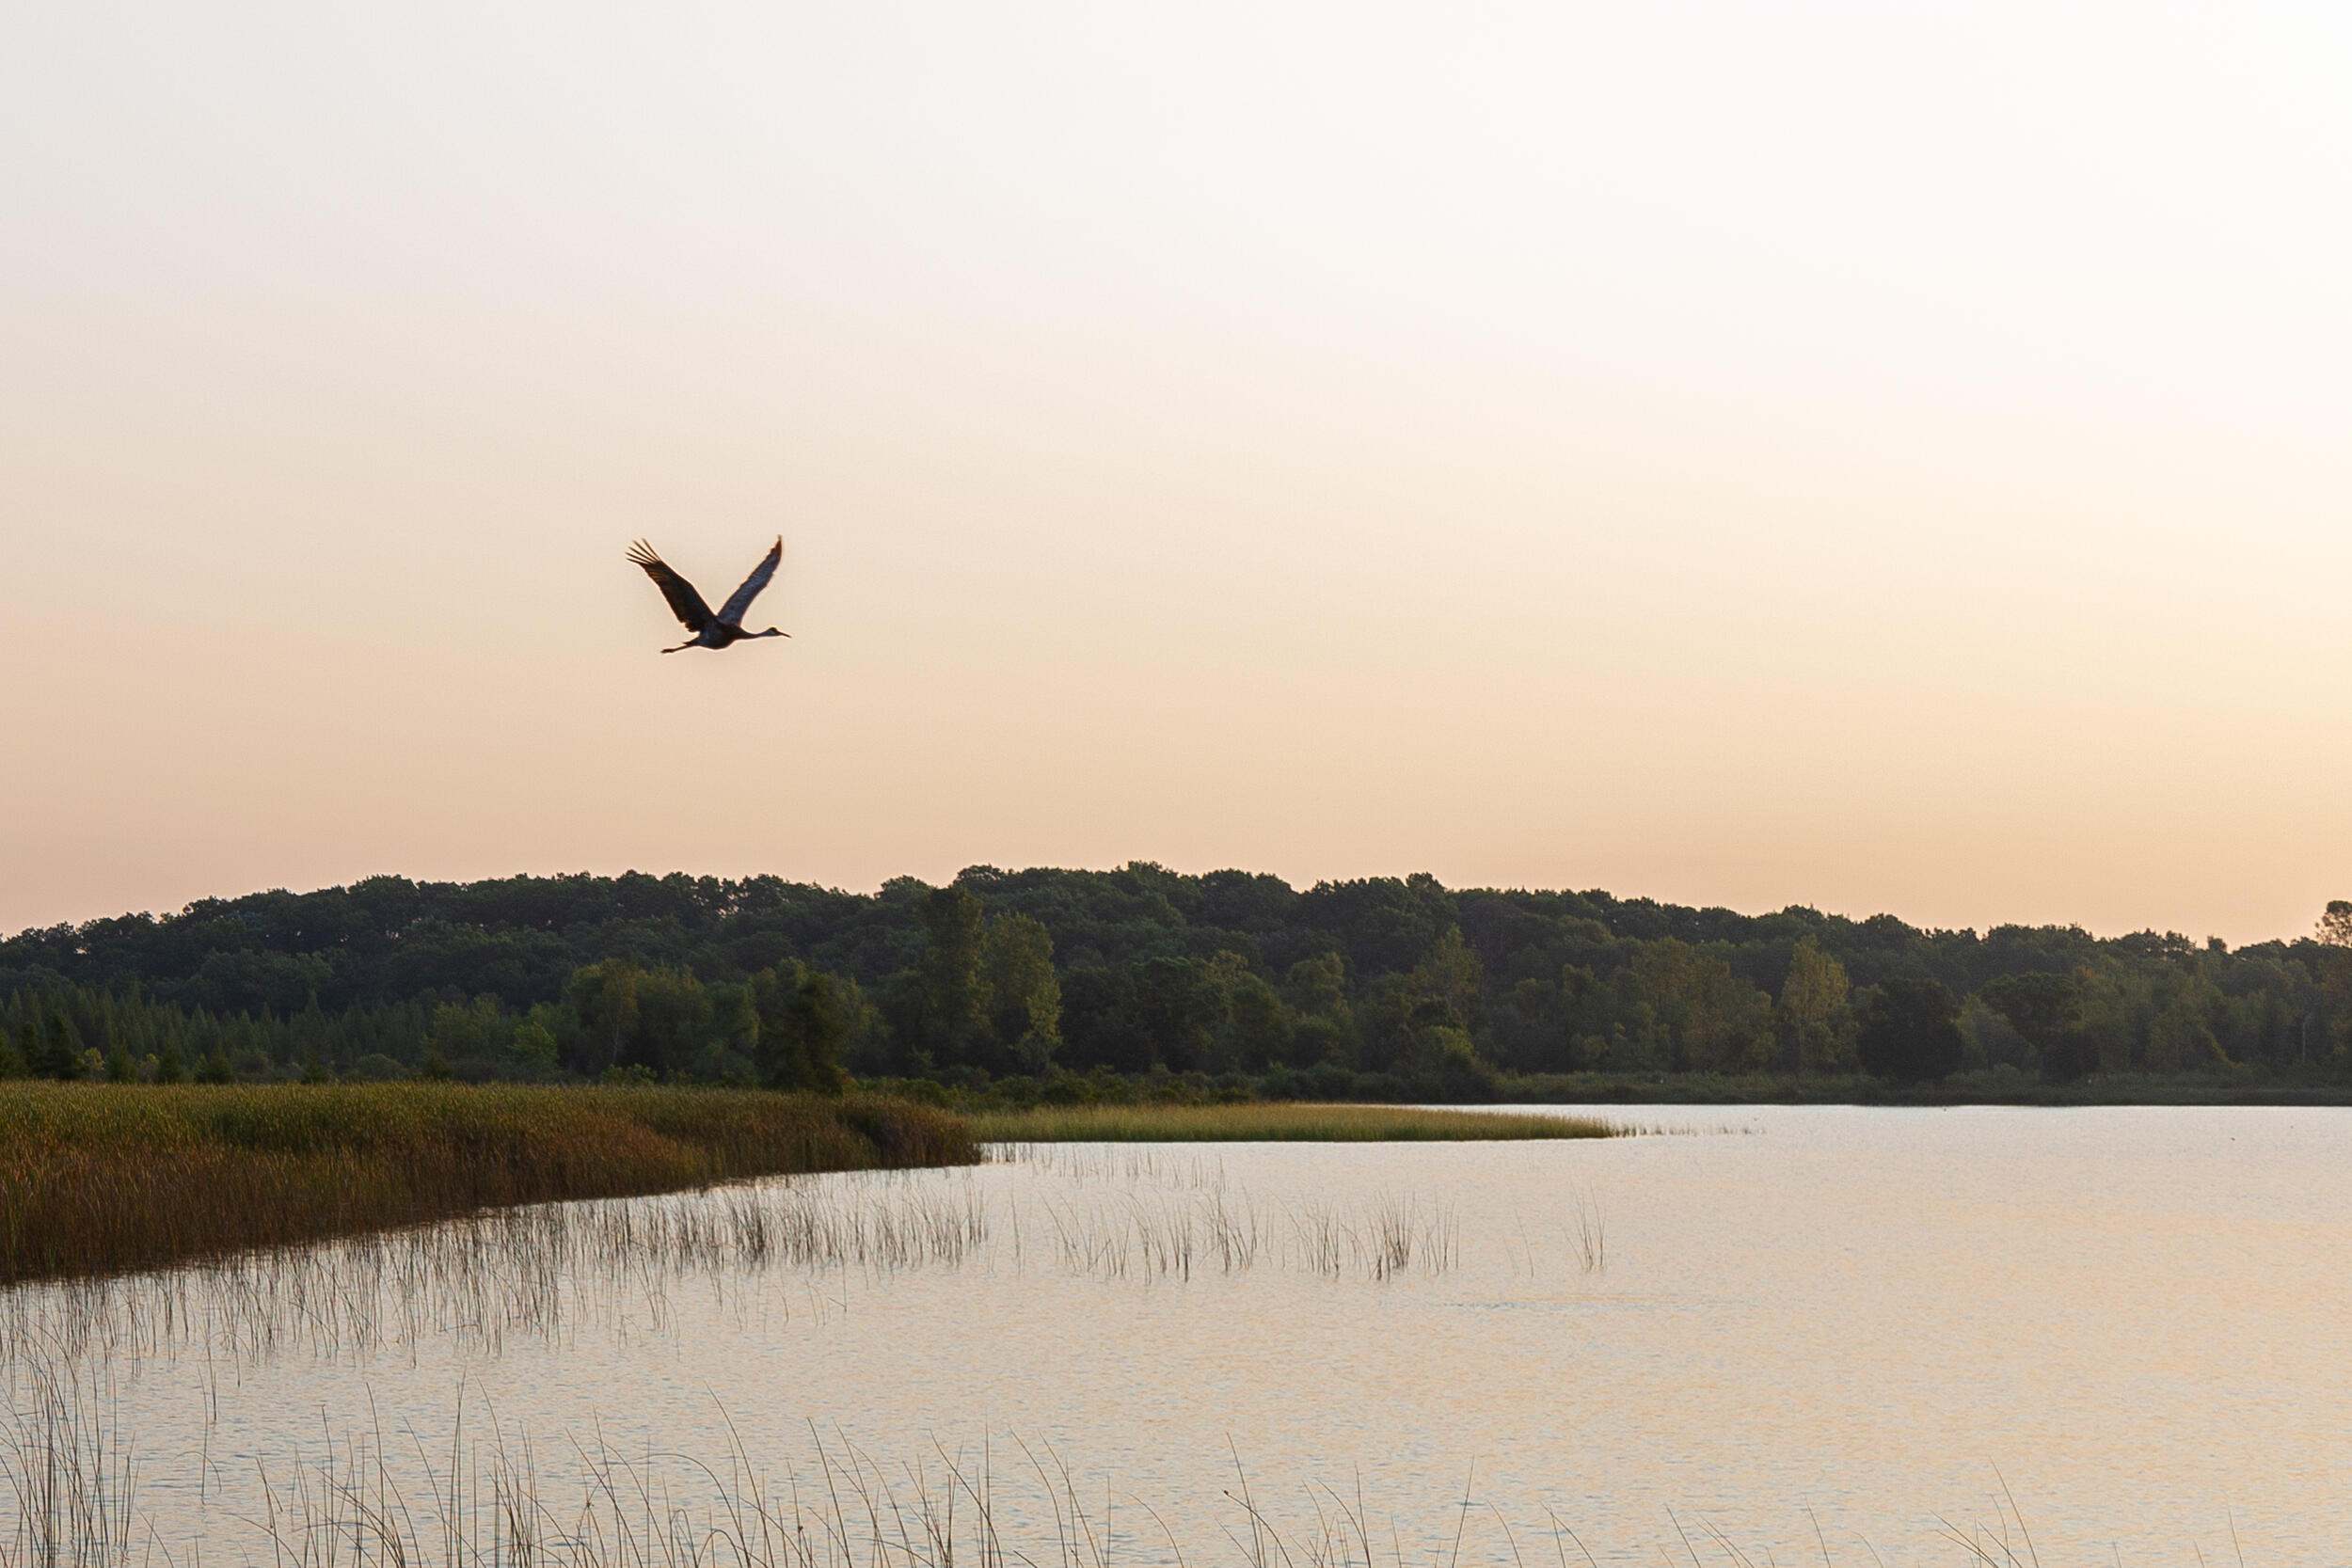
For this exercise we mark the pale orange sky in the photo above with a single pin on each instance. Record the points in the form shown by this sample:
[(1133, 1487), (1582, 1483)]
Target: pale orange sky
[(1879, 456)]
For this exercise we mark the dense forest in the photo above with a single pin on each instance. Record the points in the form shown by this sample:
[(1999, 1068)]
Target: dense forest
[(1070, 982)]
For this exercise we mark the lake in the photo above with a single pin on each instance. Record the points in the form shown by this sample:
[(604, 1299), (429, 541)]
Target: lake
[(1800, 1331)]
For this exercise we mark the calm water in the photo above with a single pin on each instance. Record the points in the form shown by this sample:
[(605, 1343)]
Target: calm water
[(2140, 1317)]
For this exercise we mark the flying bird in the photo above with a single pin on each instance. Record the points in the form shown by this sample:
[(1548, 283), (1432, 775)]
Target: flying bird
[(724, 629)]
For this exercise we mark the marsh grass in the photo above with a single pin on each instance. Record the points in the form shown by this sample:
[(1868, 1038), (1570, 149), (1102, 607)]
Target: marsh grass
[(103, 1179), (540, 1271), (67, 1475), (485, 1494), (1135, 1165), (1283, 1122), (535, 1271)]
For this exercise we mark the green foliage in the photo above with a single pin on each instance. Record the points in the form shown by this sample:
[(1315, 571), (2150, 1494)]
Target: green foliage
[(1812, 1018), (1990, 1042), (534, 1050), (1034, 974), (59, 1053), (1909, 1033), (1695, 1013), (602, 999), (2046, 1011), (807, 1022), (1259, 1029), (954, 1014), (2179, 1039), (468, 1039), (1448, 982), (1020, 994), (1463, 1075)]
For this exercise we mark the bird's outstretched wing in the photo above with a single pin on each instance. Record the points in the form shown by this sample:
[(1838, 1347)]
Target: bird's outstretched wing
[(685, 603), (740, 600)]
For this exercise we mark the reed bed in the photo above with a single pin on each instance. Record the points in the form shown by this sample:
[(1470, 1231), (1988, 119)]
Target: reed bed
[(1137, 1165), (1274, 1123), (103, 1179), (496, 1499), (541, 1272), (66, 1476), (534, 1272)]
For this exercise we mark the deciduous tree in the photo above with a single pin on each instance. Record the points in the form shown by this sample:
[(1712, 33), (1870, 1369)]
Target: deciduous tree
[(1908, 1031)]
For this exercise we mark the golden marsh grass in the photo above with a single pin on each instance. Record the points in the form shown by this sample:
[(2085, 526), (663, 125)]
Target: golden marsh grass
[(102, 1179)]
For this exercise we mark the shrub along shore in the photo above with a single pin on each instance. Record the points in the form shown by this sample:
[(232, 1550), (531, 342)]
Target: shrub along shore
[(102, 1179)]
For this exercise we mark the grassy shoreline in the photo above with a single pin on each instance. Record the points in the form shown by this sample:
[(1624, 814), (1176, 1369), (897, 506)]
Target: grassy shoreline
[(1292, 1121), (104, 1178), (99, 1179)]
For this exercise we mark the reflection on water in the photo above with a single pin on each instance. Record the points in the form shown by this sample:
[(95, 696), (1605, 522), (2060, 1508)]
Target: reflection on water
[(1855, 1319)]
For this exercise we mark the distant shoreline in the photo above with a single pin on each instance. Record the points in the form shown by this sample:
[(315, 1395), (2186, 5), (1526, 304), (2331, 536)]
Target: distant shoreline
[(1104, 1093), (1698, 1089), (1144, 983)]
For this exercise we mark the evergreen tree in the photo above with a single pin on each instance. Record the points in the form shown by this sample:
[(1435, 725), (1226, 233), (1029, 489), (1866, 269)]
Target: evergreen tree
[(60, 1049)]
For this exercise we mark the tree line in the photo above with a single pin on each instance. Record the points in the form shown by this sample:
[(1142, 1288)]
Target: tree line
[(1378, 986)]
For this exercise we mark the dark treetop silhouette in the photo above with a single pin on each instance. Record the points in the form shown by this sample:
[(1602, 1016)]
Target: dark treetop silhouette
[(709, 631), (1390, 988)]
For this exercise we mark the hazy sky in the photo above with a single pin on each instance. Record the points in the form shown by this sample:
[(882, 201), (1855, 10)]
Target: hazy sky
[(1875, 455)]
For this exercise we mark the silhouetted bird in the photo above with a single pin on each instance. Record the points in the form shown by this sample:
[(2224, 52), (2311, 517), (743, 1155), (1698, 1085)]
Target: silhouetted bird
[(711, 631)]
